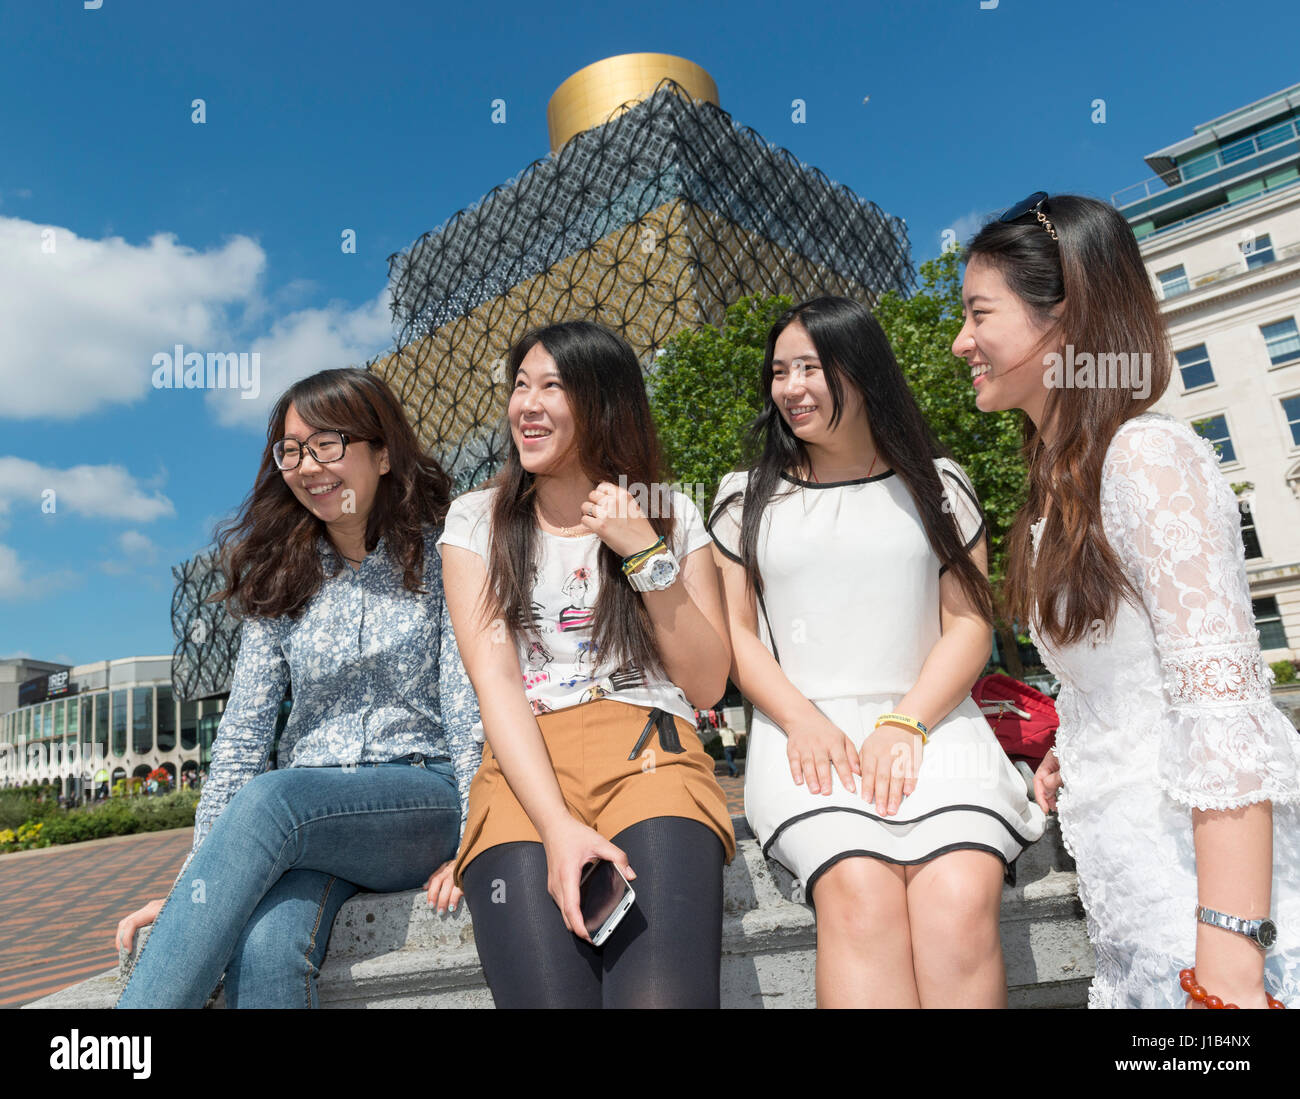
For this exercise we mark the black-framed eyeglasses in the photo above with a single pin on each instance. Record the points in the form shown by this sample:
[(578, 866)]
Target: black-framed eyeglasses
[(1035, 204), (329, 447)]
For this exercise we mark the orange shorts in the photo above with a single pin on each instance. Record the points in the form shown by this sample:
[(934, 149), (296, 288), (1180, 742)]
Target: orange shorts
[(589, 745)]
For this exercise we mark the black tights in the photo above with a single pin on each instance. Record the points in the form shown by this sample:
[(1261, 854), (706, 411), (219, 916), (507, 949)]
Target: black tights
[(666, 951)]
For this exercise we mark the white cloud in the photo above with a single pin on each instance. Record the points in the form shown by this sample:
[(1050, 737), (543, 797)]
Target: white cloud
[(102, 492), (83, 322), (11, 573), (965, 226), (303, 343), (16, 583), (137, 550)]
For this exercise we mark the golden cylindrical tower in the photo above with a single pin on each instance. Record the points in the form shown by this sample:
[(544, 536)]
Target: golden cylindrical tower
[(595, 94)]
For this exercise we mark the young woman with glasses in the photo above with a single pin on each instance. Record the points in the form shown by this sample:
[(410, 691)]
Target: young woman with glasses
[(855, 577), (1175, 777), (589, 617), (331, 563)]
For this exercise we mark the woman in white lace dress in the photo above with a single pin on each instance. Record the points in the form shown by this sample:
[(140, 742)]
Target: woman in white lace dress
[(1174, 775)]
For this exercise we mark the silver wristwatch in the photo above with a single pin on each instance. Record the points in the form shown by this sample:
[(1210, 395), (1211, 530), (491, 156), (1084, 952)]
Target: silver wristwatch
[(656, 573), (1263, 933)]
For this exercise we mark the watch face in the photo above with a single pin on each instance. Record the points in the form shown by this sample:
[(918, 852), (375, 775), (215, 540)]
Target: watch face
[(663, 572), (1267, 933)]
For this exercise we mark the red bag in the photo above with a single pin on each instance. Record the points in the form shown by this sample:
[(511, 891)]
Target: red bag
[(1024, 720)]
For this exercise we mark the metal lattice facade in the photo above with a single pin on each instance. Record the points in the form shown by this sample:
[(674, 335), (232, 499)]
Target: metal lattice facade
[(650, 224)]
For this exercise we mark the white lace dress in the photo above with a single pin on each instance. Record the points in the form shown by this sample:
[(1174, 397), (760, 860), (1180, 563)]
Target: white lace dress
[(1167, 712)]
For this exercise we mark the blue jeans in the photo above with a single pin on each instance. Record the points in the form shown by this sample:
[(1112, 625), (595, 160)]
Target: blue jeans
[(260, 895)]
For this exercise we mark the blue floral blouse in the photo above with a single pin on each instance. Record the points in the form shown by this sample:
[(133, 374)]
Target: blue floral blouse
[(376, 674)]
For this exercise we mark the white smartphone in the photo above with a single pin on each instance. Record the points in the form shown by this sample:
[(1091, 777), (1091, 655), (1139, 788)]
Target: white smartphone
[(604, 897)]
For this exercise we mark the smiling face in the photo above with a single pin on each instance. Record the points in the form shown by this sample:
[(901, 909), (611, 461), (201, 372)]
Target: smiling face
[(800, 390), (541, 421), (1003, 341), (342, 491)]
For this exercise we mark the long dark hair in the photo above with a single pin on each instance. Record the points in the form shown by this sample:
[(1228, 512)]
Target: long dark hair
[(853, 350), (268, 551), (1096, 270), (615, 436)]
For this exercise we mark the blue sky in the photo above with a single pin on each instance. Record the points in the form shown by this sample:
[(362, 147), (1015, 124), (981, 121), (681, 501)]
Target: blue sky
[(126, 228)]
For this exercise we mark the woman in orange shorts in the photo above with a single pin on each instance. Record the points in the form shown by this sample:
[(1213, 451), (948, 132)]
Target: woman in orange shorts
[(588, 614)]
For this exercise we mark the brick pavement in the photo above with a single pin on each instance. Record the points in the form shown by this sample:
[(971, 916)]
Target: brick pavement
[(60, 906)]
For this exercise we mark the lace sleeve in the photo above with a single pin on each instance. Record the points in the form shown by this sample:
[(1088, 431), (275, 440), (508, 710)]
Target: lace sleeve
[(1174, 521)]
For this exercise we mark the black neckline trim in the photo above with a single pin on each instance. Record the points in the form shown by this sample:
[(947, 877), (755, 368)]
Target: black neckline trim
[(835, 484)]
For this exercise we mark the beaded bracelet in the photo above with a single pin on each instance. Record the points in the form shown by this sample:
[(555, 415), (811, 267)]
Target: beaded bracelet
[(1187, 980), (630, 563), (906, 722)]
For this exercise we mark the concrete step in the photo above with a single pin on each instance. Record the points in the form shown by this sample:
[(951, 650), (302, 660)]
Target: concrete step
[(392, 950)]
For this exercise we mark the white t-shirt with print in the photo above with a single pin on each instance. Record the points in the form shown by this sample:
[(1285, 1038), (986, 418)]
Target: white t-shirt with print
[(557, 659)]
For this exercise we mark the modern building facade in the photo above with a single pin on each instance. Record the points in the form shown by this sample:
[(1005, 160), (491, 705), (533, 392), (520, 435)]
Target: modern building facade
[(79, 726), (653, 212), (1219, 230)]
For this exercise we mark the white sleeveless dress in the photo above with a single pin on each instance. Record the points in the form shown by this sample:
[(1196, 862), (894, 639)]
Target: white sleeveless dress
[(1167, 712), (852, 601)]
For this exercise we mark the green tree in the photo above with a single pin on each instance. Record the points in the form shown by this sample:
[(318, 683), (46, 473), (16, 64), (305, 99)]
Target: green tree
[(704, 391)]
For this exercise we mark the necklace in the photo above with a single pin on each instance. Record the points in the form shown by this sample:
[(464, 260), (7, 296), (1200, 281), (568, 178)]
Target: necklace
[(812, 474), (565, 532)]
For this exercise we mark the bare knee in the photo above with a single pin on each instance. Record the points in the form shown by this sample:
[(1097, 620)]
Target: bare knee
[(858, 897)]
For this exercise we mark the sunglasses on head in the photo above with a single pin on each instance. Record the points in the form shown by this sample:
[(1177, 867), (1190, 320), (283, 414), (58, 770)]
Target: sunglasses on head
[(1035, 204)]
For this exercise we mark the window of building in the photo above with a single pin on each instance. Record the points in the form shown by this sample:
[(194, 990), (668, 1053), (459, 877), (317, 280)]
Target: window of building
[(59, 708), (1268, 620), (1215, 428), (1173, 282), (189, 726), (1249, 536), (1291, 409), (166, 720), (1194, 366), (101, 720), (1283, 341), (1258, 251), (142, 720), (119, 723)]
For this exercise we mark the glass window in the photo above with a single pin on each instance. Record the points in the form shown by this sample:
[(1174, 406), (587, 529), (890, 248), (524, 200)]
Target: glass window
[(1291, 407), (74, 708), (189, 726), (87, 717), (1283, 341), (166, 720), (142, 720), (101, 720), (1194, 366), (1215, 428), (1173, 282), (59, 709), (1258, 251), (1249, 537), (1268, 620), (119, 723)]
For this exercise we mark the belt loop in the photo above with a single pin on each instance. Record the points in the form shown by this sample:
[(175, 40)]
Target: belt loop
[(668, 739)]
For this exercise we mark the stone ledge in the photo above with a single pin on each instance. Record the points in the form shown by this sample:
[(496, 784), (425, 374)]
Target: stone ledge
[(392, 950)]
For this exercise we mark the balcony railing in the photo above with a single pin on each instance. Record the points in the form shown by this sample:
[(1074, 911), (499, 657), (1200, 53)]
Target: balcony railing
[(1235, 155), (1231, 270)]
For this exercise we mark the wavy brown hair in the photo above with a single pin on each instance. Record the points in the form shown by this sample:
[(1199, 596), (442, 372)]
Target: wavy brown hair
[(1096, 274), (615, 436), (268, 551)]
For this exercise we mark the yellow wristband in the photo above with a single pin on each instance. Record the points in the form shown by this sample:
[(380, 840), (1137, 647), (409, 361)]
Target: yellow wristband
[(905, 722)]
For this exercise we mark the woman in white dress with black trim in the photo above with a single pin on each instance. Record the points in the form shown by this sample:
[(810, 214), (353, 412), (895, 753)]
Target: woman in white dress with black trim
[(854, 562), (1180, 777)]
